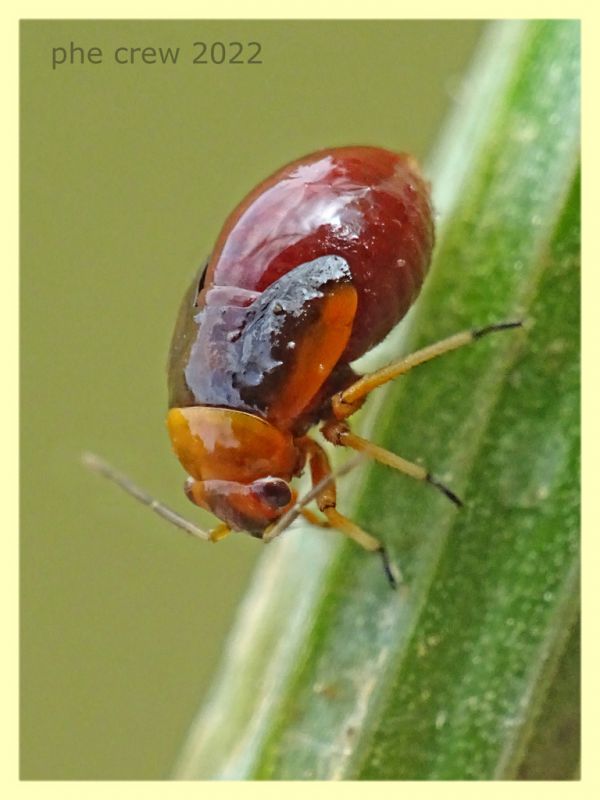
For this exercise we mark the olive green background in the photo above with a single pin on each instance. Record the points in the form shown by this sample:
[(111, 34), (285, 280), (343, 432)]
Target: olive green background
[(128, 171)]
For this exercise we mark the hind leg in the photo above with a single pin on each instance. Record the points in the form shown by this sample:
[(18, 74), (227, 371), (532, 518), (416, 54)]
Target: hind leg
[(346, 402)]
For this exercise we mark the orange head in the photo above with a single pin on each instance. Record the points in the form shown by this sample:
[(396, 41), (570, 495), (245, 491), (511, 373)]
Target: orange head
[(239, 464)]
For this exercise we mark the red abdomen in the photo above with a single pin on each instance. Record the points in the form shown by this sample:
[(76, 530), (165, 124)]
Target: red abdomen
[(365, 204), (312, 269)]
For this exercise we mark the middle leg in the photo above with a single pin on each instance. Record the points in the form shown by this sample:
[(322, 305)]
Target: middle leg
[(339, 433)]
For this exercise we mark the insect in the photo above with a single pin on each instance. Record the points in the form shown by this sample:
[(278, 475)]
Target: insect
[(310, 271)]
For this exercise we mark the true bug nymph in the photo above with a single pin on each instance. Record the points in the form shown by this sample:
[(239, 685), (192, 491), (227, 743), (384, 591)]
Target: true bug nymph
[(311, 270)]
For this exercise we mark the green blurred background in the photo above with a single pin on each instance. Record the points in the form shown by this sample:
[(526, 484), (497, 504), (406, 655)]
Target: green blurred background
[(128, 172)]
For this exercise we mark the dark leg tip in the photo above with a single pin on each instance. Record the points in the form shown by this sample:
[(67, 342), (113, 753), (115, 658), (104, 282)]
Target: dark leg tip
[(499, 326), (391, 571), (445, 490)]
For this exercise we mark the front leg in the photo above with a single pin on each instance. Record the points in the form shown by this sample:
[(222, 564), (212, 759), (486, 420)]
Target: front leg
[(320, 469)]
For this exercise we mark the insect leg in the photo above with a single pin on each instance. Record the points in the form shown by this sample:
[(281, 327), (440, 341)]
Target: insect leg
[(314, 519), (339, 433), (220, 532), (346, 402), (299, 507), (320, 468)]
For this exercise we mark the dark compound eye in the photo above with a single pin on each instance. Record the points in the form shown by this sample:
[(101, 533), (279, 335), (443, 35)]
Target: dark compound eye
[(275, 492)]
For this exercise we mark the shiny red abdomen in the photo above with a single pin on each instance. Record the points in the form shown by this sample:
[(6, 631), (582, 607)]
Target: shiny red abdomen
[(365, 204)]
